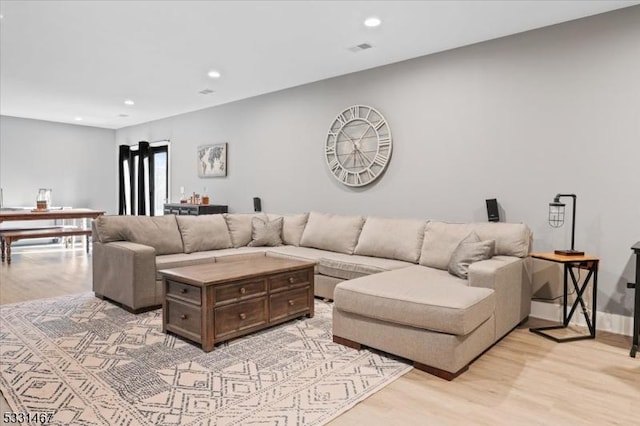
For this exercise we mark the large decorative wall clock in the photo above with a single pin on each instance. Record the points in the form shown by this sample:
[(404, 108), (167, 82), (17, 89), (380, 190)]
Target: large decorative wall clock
[(358, 147)]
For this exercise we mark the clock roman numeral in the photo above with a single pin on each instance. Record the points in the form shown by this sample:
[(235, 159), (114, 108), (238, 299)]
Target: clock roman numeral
[(370, 174), (342, 119), (334, 165), (358, 180), (380, 160), (384, 142), (343, 175), (330, 149), (379, 124), (355, 111)]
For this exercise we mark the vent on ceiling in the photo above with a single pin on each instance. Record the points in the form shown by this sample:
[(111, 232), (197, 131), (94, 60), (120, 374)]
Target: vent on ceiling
[(206, 92), (360, 47)]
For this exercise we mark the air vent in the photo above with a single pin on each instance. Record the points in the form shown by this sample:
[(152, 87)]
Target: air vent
[(123, 115), (360, 47), (206, 92)]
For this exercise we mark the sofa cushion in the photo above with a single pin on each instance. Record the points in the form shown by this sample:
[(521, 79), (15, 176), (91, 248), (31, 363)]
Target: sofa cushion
[(468, 251), (159, 232), (240, 227), (419, 297), (179, 260), (292, 227), (399, 239), (348, 267), (203, 232), (332, 232), (441, 239), (182, 259), (338, 265), (266, 233)]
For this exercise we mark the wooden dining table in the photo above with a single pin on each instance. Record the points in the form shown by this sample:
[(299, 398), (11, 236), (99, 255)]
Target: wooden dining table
[(9, 235)]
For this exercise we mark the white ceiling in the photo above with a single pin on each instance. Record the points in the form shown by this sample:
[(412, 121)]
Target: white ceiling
[(65, 59)]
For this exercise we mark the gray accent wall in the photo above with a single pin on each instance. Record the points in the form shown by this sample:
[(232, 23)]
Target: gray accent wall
[(77, 162), (518, 119)]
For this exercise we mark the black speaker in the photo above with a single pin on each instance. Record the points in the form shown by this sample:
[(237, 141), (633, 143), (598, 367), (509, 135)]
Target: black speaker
[(492, 210), (257, 204)]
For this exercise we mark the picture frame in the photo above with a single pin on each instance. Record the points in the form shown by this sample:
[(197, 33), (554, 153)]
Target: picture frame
[(212, 160)]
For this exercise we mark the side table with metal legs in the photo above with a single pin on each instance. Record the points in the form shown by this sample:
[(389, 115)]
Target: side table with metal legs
[(570, 263)]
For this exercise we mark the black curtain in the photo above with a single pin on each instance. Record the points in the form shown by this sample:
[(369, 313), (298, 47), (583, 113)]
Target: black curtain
[(143, 154), (140, 194), (124, 160)]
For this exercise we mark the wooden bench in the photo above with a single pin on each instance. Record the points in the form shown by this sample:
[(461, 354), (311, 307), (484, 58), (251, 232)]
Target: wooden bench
[(9, 236)]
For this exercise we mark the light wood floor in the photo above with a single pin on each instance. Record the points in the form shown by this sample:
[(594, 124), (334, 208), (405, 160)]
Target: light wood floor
[(523, 380)]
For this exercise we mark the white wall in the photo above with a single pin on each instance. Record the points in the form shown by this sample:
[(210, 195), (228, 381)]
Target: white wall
[(77, 162), (520, 119)]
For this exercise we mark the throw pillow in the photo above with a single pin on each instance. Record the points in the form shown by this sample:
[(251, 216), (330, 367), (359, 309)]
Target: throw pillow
[(332, 232), (239, 225), (468, 251), (266, 233), (292, 227), (203, 232)]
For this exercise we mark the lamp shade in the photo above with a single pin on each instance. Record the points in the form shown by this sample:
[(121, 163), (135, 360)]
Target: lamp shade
[(556, 214)]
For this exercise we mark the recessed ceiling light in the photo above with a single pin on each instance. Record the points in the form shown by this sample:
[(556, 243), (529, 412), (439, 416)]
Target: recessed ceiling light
[(372, 21), (214, 74), (129, 102), (78, 118)]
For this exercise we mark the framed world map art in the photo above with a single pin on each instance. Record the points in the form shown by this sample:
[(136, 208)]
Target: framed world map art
[(212, 160)]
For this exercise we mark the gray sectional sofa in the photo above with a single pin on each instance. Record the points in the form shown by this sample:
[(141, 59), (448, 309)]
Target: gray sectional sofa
[(391, 279)]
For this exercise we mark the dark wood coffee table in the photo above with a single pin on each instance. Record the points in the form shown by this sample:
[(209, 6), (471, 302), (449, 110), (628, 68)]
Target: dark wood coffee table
[(214, 302)]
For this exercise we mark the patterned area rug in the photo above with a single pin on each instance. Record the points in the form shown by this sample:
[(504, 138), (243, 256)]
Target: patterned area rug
[(91, 363)]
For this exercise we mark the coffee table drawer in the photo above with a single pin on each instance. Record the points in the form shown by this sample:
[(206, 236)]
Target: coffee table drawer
[(241, 316), (289, 279), (185, 317), (186, 292), (235, 292), (289, 303)]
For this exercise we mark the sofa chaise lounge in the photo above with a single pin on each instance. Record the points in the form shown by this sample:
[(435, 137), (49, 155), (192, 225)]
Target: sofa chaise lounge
[(389, 278)]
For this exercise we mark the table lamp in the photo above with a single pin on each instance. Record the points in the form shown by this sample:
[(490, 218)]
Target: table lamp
[(556, 220)]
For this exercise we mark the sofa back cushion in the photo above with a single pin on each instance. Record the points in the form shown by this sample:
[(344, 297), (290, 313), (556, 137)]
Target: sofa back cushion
[(292, 227), (399, 239), (204, 232), (441, 239), (239, 225), (159, 232), (332, 232)]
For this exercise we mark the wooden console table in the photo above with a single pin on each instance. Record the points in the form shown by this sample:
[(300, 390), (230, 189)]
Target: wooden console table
[(636, 309), (10, 235), (194, 209), (214, 302), (589, 263)]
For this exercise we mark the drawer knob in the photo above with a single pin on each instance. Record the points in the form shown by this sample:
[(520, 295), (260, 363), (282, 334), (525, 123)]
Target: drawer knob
[(243, 290), (184, 317), (183, 290), (290, 302), (292, 280), (243, 316)]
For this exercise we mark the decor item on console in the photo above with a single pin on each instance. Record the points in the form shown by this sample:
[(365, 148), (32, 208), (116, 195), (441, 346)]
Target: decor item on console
[(43, 200), (556, 219), (388, 277), (358, 146), (212, 160)]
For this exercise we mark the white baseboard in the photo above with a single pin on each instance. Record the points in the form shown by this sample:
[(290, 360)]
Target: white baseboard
[(613, 323)]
